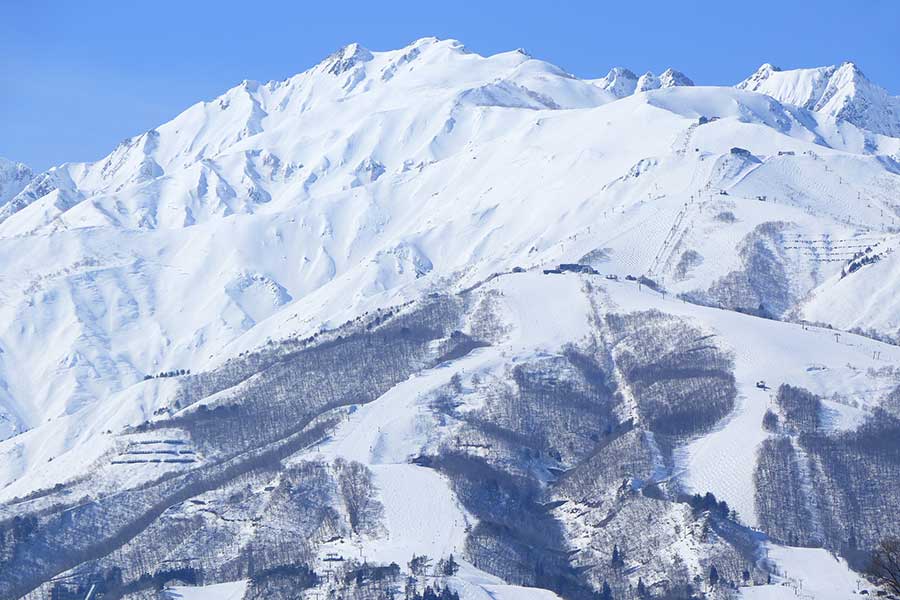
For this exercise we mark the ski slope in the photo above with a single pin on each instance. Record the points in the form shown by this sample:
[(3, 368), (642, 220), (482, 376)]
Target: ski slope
[(724, 460), (808, 573), (221, 591)]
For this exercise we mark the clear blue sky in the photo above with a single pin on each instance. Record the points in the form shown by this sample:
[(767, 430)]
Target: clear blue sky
[(76, 77)]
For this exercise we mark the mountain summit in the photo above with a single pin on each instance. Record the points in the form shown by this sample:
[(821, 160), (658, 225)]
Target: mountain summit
[(842, 92), (621, 82), (13, 179)]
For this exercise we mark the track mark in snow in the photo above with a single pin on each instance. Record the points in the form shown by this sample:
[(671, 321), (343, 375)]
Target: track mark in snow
[(807, 573), (233, 590), (421, 514)]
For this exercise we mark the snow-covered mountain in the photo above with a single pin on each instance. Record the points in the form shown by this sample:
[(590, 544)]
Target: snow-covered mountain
[(325, 317), (13, 178), (839, 91), (621, 82), (216, 157)]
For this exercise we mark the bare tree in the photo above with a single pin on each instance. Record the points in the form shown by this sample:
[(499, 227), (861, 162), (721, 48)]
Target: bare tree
[(885, 567), (359, 494)]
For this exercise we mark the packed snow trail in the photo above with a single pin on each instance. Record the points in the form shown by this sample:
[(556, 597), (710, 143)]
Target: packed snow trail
[(233, 590), (808, 574)]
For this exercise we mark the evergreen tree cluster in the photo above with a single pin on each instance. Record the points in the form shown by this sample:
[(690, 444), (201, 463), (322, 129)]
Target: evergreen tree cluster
[(708, 502), (175, 373)]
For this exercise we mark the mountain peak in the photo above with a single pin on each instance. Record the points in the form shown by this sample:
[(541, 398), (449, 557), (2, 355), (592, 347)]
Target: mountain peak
[(672, 78), (621, 73), (849, 65), (5, 163), (761, 74), (426, 41), (648, 81), (840, 91), (346, 58), (850, 71), (14, 176), (622, 82)]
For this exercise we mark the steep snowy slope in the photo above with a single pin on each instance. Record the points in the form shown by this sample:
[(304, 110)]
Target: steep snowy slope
[(842, 92), (353, 117), (863, 300), (13, 179), (154, 271)]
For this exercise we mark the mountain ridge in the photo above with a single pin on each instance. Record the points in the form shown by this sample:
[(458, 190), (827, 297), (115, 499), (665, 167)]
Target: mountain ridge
[(841, 91)]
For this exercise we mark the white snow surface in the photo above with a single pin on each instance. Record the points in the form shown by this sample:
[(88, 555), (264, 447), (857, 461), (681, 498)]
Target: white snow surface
[(840, 91), (277, 206), (233, 590), (13, 179), (808, 573), (724, 460)]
